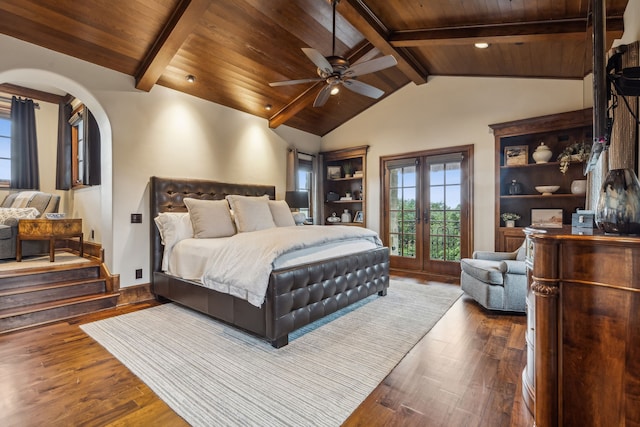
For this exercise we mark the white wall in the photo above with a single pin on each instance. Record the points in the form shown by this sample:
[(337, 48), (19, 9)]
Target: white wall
[(446, 112), (163, 133)]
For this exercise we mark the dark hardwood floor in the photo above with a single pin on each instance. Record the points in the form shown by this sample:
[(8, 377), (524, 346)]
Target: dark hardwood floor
[(464, 372)]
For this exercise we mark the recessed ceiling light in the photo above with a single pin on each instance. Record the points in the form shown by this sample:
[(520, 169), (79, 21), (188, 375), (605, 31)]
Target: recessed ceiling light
[(481, 45), (267, 107), (191, 78), (335, 90)]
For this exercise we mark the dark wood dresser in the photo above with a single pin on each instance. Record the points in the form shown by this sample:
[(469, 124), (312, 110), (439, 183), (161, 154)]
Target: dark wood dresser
[(583, 337)]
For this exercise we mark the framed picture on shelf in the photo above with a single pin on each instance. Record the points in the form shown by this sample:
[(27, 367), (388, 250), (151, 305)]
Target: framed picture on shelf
[(546, 218), (359, 217), (334, 172), (516, 155)]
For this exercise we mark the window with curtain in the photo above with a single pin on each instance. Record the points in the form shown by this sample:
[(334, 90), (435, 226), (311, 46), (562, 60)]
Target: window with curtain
[(83, 154), (5, 151), (77, 150), (305, 181)]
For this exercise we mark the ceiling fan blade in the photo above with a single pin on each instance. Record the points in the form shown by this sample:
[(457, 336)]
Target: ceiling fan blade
[(370, 66), (295, 82), (322, 96), (317, 58), (363, 89)]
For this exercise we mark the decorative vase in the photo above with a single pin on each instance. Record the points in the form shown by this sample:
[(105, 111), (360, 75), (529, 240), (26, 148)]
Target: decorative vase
[(542, 154), (515, 187), (618, 208), (579, 186), (510, 223), (346, 216)]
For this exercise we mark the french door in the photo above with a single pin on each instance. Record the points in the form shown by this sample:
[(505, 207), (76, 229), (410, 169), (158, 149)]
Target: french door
[(427, 210)]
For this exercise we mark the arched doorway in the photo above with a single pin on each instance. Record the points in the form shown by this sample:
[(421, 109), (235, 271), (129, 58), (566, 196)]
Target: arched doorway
[(25, 76)]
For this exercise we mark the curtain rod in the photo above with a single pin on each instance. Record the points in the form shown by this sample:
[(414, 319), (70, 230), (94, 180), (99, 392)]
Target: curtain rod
[(5, 99), (302, 152)]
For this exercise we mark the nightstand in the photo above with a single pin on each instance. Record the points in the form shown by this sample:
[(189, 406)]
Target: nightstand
[(48, 229)]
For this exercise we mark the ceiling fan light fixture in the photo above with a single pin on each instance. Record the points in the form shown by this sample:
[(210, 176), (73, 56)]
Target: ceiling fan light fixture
[(191, 78), (335, 90), (481, 45)]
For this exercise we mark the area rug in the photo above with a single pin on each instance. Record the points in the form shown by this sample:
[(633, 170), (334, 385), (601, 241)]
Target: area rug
[(213, 374)]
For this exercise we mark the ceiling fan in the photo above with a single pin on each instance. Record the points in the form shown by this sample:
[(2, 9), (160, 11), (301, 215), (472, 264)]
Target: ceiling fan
[(336, 70)]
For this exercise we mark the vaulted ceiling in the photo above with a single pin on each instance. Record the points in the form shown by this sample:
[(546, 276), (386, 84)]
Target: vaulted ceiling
[(234, 48)]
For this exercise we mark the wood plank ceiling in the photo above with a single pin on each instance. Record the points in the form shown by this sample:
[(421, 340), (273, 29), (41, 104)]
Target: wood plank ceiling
[(236, 47)]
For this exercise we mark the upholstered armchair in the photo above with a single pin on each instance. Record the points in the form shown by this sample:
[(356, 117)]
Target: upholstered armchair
[(43, 203), (496, 280)]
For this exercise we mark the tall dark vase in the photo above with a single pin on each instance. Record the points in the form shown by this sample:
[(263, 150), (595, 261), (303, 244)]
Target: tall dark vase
[(618, 208)]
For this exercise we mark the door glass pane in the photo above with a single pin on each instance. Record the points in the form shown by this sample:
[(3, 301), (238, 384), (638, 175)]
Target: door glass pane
[(402, 210), (445, 203)]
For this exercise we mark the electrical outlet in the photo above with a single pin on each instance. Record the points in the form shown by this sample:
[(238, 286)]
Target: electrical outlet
[(139, 273), (136, 218)]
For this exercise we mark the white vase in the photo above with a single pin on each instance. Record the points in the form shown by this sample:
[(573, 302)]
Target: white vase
[(579, 186), (542, 154), (510, 223), (346, 216)]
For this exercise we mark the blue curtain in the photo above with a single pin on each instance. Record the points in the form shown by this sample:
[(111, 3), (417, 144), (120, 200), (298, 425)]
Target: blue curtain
[(24, 145), (63, 161), (92, 172)]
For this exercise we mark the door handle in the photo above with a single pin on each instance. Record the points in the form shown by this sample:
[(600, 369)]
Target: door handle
[(426, 216)]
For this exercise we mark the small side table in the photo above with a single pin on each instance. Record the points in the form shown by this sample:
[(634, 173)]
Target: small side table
[(48, 229)]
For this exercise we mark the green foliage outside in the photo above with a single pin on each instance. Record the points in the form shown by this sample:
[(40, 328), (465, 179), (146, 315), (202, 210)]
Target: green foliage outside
[(444, 229)]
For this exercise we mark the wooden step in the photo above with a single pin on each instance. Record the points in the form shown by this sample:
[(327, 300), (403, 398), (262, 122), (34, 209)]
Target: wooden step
[(34, 294), (28, 277), (38, 314)]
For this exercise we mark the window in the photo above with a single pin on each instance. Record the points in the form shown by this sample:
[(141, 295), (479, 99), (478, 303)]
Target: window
[(305, 181), (77, 148), (5, 151)]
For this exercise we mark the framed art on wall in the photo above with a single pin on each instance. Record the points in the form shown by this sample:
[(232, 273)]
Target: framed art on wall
[(516, 155), (546, 218)]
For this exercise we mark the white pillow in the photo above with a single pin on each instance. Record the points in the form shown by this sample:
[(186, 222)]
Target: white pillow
[(173, 227), (251, 213), (210, 218), (281, 213)]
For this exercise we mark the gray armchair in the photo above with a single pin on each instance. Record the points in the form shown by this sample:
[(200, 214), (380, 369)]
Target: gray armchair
[(44, 203), (496, 280)]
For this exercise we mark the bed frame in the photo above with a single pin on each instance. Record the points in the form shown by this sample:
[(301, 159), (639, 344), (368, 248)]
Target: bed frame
[(295, 296)]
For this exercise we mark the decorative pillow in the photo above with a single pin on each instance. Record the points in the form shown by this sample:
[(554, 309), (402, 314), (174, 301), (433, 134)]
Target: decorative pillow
[(173, 227), (281, 213), (18, 213), (210, 218), (251, 213)]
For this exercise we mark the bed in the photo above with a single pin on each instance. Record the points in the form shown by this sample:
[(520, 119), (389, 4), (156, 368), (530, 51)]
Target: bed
[(296, 295)]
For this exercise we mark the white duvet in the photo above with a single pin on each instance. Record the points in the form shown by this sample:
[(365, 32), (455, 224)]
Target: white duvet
[(242, 265)]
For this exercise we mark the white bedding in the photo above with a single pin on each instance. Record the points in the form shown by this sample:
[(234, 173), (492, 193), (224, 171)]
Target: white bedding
[(240, 265)]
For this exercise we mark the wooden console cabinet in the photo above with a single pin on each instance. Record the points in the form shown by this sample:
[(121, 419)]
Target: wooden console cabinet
[(583, 335)]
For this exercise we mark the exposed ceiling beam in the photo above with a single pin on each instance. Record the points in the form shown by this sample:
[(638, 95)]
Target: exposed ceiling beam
[(31, 93), (179, 26), (370, 26), (519, 32), (295, 106)]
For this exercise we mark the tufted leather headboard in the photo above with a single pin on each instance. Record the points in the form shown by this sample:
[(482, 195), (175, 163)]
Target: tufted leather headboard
[(167, 195)]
